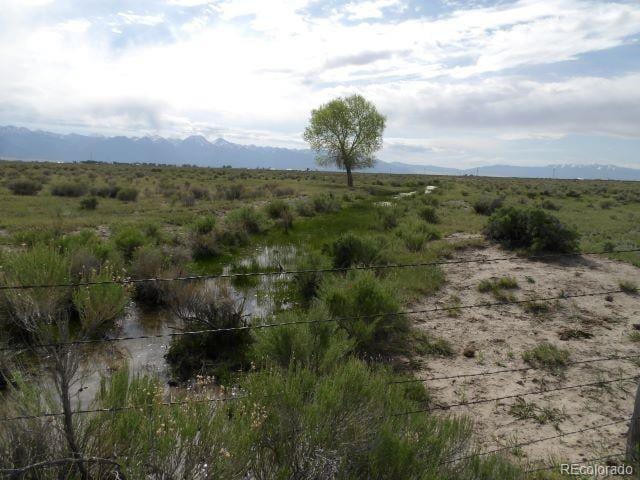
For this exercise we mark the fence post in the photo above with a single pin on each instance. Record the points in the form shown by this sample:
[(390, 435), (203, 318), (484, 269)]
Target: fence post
[(633, 437)]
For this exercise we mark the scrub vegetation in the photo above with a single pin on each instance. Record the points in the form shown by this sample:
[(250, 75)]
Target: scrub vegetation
[(315, 398)]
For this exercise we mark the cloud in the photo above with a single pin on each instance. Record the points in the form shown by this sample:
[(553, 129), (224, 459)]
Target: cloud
[(363, 58), (256, 68), (368, 9), (585, 105)]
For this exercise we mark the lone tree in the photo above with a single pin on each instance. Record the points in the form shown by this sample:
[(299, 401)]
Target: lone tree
[(346, 132)]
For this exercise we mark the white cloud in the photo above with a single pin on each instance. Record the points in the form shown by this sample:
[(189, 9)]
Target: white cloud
[(256, 68), (136, 19), (368, 9)]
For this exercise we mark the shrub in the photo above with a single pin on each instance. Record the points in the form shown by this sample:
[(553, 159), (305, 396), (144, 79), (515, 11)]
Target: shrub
[(127, 194), (247, 219), (367, 310), (428, 214), (205, 245), (316, 346), (325, 203), (98, 304), (204, 224), (415, 235), (308, 284), (547, 356), (487, 205), (106, 191), (24, 187), (30, 309), (128, 240), (89, 203), (350, 249), (232, 192), (277, 208), (68, 189), (388, 217), (532, 229), (207, 307), (305, 208), (549, 205)]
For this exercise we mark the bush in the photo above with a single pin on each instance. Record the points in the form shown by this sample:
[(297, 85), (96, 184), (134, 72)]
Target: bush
[(89, 203), (68, 189), (277, 208), (428, 214), (350, 249), (128, 240), (127, 194), (325, 203), (98, 304), (207, 307), (234, 191), (487, 205), (316, 346), (549, 205), (367, 310), (205, 245), (388, 217), (30, 309), (247, 219), (415, 235), (204, 224), (24, 187), (106, 191), (308, 283), (532, 229)]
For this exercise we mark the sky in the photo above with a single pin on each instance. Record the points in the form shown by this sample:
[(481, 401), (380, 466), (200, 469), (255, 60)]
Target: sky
[(462, 83)]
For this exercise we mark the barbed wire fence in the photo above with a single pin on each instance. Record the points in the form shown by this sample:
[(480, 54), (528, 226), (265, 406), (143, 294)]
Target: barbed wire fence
[(19, 472)]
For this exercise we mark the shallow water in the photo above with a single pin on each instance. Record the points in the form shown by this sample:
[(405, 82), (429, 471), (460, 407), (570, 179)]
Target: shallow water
[(262, 296)]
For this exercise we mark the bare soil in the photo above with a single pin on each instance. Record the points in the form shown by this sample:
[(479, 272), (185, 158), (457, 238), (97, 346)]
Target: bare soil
[(495, 339)]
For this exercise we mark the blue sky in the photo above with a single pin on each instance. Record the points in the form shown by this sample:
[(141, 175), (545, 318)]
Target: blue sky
[(462, 83)]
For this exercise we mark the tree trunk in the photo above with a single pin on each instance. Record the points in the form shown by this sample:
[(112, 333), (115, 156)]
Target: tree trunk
[(633, 437), (349, 177)]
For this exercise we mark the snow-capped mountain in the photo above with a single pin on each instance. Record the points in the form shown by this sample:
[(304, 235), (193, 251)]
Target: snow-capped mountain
[(22, 143)]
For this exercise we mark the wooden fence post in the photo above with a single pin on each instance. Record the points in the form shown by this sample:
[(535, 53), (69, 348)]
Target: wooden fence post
[(633, 437)]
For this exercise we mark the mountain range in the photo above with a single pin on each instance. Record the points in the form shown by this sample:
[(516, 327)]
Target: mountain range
[(24, 144)]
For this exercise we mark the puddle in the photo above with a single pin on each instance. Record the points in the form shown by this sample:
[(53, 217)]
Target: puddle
[(262, 295)]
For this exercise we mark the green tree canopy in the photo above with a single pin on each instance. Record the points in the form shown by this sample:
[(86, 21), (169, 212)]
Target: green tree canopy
[(346, 132)]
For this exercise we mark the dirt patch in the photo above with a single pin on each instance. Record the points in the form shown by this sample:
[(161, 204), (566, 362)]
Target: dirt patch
[(495, 338)]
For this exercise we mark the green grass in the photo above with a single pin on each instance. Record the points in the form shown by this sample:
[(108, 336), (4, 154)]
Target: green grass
[(548, 357), (497, 288)]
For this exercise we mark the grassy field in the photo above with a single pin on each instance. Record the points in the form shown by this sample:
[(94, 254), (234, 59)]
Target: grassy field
[(72, 222)]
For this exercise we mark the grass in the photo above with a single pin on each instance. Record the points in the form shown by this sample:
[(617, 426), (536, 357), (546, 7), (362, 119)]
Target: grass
[(524, 410), (548, 357), (498, 287), (197, 220), (425, 344), (627, 286)]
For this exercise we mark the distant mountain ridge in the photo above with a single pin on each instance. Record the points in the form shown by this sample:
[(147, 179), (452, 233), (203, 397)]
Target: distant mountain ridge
[(25, 144)]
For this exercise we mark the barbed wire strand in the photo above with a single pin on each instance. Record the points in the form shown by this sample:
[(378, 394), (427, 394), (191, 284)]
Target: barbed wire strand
[(306, 322), (508, 370), (507, 397), (537, 440), (187, 278), (551, 467)]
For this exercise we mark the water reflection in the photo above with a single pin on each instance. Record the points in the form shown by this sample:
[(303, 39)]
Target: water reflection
[(262, 296)]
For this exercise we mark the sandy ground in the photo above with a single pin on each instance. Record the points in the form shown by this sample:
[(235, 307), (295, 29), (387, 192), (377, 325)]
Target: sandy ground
[(500, 335)]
